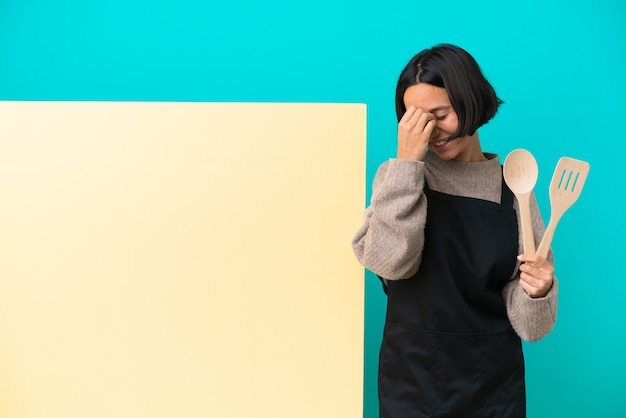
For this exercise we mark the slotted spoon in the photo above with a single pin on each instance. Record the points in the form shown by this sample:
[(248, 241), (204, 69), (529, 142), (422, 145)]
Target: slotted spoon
[(520, 174), (567, 183)]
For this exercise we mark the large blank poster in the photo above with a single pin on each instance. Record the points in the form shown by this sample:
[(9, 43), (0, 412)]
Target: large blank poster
[(180, 260)]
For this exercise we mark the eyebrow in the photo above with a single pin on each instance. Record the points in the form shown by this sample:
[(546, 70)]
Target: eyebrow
[(438, 108)]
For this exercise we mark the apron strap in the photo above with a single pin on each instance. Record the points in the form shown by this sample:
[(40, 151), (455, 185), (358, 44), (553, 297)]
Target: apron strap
[(506, 197)]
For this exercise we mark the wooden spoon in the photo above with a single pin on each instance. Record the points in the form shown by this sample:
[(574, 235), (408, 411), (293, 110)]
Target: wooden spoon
[(520, 173), (567, 183)]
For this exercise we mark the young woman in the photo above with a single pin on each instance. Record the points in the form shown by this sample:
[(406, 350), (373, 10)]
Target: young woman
[(442, 233)]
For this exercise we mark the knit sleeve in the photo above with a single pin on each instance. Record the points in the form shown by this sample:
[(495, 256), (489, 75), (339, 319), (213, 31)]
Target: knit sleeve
[(532, 318), (391, 238)]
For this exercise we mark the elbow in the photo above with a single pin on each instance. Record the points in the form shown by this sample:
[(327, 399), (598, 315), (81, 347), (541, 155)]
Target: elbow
[(535, 334), (401, 272), (393, 269), (393, 261), (535, 326)]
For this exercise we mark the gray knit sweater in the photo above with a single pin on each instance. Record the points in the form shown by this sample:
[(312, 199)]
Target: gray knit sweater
[(391, 239)]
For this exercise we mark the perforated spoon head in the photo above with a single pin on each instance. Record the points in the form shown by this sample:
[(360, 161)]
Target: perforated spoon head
[(520, 171)]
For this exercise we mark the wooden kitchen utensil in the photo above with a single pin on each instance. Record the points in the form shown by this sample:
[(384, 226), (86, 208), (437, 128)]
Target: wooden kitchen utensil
[(567, 183), (520, 174)]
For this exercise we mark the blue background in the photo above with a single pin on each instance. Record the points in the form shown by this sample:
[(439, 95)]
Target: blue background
[(559, 66)]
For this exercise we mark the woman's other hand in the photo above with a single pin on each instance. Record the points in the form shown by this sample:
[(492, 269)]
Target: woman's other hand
[(414, 131), (536, 275)]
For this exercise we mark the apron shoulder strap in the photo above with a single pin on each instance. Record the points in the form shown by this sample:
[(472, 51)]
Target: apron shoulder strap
[(506, 198), (506, 195)]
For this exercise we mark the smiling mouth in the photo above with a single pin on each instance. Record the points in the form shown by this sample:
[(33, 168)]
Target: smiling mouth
[(442, 142)]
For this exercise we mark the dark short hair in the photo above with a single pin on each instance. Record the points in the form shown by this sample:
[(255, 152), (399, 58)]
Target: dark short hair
[(472, 97)]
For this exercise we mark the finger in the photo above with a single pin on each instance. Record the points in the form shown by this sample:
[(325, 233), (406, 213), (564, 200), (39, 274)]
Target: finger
[(535, 275), (536, 282), (416, 117), (419, 120), (535, 288), (430, 126), (544, 269), (409, 119), (528, 288), (408, 114), (532, 258), (536, 261), (425, 117), (415, 122), (531, 290)]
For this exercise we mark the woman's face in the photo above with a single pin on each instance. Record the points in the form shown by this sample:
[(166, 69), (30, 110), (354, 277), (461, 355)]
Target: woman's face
[(435, 100)]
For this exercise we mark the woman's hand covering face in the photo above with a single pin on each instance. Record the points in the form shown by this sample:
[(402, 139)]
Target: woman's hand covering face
[(414, 132)]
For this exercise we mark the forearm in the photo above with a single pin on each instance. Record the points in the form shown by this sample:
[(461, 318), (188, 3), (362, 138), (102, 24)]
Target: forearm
[(532, 318), (391, 239)]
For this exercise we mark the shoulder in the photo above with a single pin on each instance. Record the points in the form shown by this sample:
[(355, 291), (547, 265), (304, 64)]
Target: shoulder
[(397, 173)]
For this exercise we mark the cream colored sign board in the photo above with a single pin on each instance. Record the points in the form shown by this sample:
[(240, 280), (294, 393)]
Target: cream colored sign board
[(180, 260)]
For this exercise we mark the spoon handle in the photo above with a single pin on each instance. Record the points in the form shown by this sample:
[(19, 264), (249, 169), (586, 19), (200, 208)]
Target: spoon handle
[(528, 237)]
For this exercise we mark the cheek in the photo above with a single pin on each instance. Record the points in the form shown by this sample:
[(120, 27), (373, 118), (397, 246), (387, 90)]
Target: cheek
[(449, 125)]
